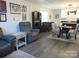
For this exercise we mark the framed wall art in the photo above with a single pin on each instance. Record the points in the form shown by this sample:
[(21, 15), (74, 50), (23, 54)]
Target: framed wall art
[(3, 18), (24, 17), (15, 8), (56, 16), (3, 8), (24, 8), (50, 16)]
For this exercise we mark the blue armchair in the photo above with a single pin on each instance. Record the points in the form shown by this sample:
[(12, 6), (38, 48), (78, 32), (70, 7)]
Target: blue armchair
[(32, 34)]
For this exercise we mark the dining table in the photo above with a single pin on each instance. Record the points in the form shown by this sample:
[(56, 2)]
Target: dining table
[(64, 29)]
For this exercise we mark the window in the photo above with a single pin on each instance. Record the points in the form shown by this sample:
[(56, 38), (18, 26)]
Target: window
[(44, 16)]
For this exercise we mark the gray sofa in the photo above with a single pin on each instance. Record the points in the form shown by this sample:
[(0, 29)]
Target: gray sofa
[(6, 44), (32, 34)]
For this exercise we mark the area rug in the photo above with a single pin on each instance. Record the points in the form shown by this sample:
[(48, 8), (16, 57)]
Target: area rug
[(19, 54), (62, 38)]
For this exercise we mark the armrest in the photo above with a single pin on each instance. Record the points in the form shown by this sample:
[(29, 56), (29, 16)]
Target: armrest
[(35, 30), (8, 38), (29, 33)]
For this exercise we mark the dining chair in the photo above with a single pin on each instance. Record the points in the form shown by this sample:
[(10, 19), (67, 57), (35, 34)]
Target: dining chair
[(55, 29), (64, 30), (73, 32)]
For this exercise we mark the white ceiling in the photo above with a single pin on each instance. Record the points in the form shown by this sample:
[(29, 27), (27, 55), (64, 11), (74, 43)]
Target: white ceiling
[(55, 3), (52, 1)]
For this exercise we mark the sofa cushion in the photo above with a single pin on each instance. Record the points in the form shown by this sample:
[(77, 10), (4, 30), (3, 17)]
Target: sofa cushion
[(1, 33), (5, 48), (25, 26), (8, 38), (3, 44), (34, 33)]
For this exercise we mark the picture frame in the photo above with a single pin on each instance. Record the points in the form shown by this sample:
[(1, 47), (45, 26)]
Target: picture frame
[(24, 8), (15, 8), (57, 16), (50, 16), (3, 18), (3, 7), (24, 17)]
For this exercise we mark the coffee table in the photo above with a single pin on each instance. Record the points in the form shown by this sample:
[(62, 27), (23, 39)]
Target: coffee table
[(19, 54)]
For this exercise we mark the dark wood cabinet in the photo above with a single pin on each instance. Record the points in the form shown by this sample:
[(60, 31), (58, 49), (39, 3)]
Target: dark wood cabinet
[(3, 6), (36, 20), (46, 26)]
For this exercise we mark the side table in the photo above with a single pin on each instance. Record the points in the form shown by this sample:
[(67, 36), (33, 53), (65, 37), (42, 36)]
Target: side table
[(18, 41)]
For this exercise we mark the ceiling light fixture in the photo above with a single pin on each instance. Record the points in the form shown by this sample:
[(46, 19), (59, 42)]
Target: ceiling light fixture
[(69, 4)]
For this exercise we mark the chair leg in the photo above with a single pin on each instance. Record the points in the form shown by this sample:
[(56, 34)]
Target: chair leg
[(68, 35), (75, 37)]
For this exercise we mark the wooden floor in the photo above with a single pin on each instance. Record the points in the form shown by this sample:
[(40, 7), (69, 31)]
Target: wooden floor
[(46, 48)]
